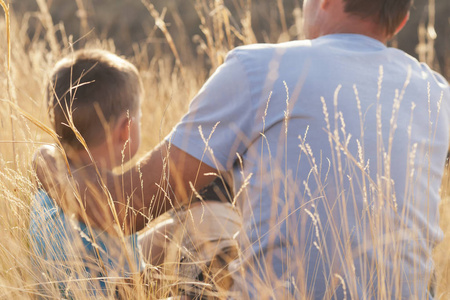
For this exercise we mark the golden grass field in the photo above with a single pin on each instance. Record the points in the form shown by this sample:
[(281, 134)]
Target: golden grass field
[(169, 84)]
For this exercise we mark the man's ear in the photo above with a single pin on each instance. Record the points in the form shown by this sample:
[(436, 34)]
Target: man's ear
[(402, 24), (324, 4)]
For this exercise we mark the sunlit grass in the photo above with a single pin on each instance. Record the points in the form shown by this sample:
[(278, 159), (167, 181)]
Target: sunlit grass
[(169, 85)]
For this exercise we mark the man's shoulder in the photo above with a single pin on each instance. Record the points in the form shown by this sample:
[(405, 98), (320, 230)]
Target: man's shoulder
[(422, 69), (273, 46), (436, 78), (267, 50)]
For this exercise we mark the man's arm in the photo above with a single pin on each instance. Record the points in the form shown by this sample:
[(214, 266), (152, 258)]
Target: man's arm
[(161, 180), (224, 109), (168, 175)]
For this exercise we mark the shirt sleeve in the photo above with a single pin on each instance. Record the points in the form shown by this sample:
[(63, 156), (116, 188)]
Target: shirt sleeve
[(219, 122)]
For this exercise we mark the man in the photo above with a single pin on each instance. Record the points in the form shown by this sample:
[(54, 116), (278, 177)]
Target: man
[(337, 145)]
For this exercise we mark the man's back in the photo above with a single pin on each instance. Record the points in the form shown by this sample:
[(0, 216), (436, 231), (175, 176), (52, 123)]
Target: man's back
[(348, 190)]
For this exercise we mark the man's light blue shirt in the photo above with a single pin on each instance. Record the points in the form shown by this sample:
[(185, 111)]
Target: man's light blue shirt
[(339, 146)]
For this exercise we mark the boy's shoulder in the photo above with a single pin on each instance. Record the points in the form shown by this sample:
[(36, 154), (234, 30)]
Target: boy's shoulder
[(43, 207)]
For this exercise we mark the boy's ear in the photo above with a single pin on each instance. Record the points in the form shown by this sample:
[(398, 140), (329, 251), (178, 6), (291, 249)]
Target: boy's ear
[(123, 128)]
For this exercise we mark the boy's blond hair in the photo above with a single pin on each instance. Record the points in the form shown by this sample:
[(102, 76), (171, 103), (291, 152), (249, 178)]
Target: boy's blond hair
[(91, 87)]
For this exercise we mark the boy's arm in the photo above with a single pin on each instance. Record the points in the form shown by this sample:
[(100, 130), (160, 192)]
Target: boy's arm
[(160, 181)]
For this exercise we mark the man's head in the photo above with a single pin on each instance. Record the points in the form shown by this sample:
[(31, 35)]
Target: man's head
[(388, 13), (386, 16), (95, 90)]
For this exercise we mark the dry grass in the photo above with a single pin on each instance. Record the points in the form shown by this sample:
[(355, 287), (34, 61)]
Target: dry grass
[(169, 85)]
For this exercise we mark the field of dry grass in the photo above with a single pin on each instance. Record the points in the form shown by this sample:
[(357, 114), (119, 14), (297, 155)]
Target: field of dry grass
[(169, 81)]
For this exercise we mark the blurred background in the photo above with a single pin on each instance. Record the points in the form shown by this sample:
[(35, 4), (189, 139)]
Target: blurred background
[(175, 44), (128, 23)]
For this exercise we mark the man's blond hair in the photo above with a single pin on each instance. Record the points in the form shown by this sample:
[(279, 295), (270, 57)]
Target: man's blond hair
[(91, 87)]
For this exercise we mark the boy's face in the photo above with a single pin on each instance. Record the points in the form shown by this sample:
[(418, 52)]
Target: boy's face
[(126, 137), (135, 131)]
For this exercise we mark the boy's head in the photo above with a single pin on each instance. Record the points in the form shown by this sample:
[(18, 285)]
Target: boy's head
[(96, 90)]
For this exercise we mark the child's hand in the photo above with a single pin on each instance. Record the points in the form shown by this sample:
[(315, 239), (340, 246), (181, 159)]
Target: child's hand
[(45, 164)]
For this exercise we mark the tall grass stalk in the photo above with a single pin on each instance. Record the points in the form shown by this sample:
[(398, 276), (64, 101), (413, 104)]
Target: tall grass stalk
[(171, 78), (8, 31), (8, 69)]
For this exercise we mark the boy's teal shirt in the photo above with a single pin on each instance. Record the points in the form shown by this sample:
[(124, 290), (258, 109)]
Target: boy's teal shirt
[(65, 248)]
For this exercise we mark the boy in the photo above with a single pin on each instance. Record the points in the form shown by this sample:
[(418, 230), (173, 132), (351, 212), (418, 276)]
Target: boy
[(96, 95), (94, 104)]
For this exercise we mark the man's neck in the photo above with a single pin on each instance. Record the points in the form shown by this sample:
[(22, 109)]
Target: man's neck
[(334, 19), (356, 25)]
